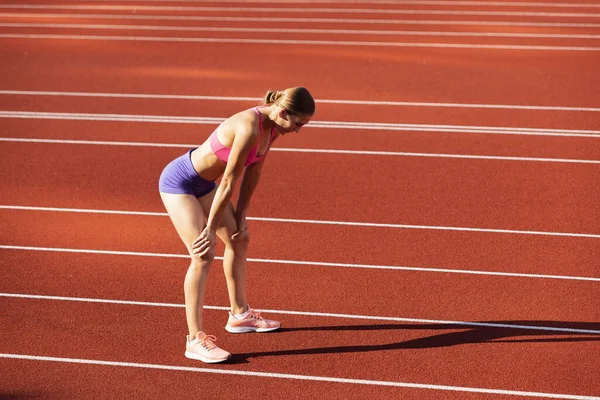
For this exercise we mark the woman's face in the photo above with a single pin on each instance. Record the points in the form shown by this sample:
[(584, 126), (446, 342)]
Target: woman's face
[(287, 122)]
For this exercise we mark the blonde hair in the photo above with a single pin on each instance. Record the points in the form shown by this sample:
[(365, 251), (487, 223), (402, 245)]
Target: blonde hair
[(296, 100)]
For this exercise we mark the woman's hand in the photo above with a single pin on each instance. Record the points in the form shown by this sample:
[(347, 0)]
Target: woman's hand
[(204, 243), (242, 232)]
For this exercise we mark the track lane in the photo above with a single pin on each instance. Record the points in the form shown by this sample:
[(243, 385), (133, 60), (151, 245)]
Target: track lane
[(459, 115), (421, 192), (457, 25), (362, 36), (380, 11), (312, 288), (456, 75), (472, 251), (180, 136), (76, 380), (413, 354), (379, 27)]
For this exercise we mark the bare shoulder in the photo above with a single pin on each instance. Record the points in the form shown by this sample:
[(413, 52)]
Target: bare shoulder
[(244, 124), (241, 128), (247, 120)]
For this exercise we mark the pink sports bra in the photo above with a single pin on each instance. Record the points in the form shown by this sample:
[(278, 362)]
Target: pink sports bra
[(222, 152)]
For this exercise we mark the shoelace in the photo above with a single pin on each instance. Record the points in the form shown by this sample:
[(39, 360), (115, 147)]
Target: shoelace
[(208, 342), (255, 315)]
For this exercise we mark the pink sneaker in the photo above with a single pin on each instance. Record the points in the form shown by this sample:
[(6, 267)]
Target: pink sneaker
[(253, 322), (204, 349)]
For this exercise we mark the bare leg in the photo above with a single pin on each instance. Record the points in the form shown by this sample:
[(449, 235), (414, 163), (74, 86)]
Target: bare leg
[(234, 267), (189, 219), (234, 257)]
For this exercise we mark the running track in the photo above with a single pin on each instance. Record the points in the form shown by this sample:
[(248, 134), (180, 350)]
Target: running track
[(432, 234)]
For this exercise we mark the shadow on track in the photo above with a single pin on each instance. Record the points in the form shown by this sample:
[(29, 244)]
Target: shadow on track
[(462, 335)]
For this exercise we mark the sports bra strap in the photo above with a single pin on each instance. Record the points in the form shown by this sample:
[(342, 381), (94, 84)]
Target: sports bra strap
[(260, 119)]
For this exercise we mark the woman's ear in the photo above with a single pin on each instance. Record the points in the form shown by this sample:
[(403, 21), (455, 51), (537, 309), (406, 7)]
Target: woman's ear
[(283, 113)]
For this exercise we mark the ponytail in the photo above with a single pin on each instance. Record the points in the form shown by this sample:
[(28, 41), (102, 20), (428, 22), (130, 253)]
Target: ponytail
[(296, 100), (272, 96)]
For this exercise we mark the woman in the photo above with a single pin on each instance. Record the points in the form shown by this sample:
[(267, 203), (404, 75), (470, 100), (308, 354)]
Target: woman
[(200, 210)]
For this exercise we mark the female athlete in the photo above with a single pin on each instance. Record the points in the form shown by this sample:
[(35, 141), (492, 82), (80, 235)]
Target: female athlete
[(201, 210)]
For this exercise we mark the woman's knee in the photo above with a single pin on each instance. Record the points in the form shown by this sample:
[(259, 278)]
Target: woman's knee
[(239, 245), (203, 261)]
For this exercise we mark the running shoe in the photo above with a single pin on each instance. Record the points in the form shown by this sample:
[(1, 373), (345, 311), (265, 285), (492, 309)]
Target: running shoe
[(252, 322), (203, 348)]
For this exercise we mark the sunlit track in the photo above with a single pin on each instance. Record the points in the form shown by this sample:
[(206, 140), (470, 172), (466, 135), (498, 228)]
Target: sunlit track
[(396, 2), (294, 377), (306, 20), (319, 101), (300, 10), (311, 263), (434, 216), (316, 151), (313, 124), (290, 30), (323, 222), (316, 314), (299, 42)]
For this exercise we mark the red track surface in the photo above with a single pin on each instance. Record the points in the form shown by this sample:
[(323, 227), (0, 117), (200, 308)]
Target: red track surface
[(524, 302)]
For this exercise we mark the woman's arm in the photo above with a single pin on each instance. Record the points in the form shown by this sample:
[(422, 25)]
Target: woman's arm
[(242, 144), (249, 183), (244, 140)]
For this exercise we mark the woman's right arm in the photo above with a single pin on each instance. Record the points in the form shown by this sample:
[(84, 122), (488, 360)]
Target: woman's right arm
[(244, 140)]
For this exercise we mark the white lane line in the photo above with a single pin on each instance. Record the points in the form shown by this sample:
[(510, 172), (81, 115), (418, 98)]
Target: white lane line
[(313, 124), (397, 2), (100, 143), (89, 211), (294, 377), (315, 151), (318, 314), (111, 117), (437, 155), (302, 31), (309, 263), (322, 222), (319, 101), (299, 42), (298, 10), (303, 20)]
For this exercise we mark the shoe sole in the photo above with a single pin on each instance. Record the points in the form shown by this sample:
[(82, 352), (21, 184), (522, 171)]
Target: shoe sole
[(195, 356), (246, 329)]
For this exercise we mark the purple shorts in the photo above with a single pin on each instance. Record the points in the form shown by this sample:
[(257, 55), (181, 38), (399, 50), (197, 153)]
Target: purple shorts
[(180, 177)]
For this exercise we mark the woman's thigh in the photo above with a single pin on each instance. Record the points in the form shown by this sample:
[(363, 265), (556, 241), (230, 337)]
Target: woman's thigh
[(187, 216), (227, 225)]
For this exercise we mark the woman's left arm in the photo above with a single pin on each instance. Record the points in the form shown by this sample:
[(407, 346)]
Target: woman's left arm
[(249, 183)]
